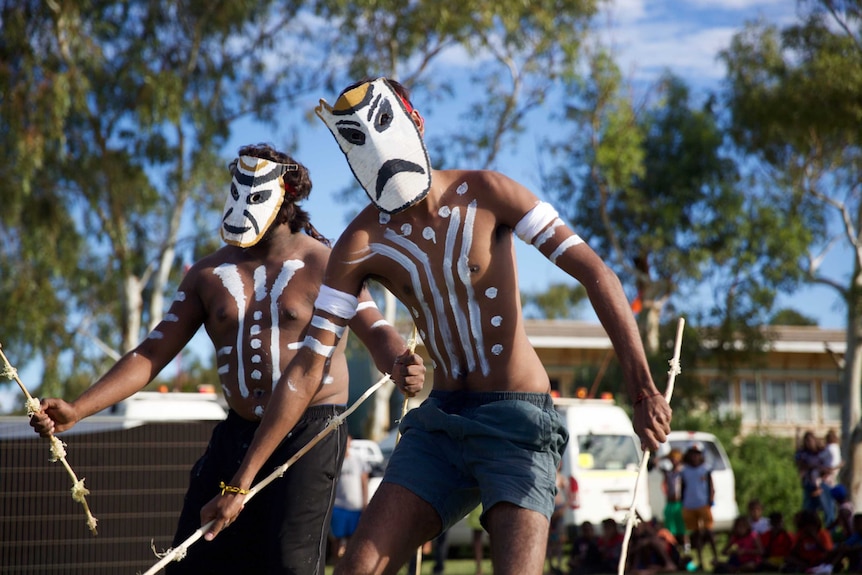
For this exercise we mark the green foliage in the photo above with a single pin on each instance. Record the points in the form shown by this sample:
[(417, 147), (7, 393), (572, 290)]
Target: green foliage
[(765, 469), (789, 316)]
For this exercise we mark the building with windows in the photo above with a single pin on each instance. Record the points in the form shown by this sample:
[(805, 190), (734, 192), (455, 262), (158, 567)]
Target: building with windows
[(794, 386)]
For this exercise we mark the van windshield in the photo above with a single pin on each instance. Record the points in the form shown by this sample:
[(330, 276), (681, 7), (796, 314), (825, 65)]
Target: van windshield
[(711, 456), (607, 452)]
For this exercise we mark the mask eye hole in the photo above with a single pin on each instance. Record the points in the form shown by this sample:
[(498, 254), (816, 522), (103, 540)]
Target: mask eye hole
[(258, 197), (234, 193), (384, 116), (352, 135)]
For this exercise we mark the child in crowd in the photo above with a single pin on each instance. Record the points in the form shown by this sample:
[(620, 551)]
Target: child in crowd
[(759, 523), (776, 543), (652, 550), (848, 555), (812, 547), (610, 545), (586, 559), (742, 549), (672, 486), (698, 495)]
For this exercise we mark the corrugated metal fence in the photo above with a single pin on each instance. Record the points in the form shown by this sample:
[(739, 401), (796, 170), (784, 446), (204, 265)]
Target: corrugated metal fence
[(137, 478)]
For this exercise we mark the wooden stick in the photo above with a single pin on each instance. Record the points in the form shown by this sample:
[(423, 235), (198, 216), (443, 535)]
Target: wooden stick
[(58, 448), (668, 393), (179, 552)]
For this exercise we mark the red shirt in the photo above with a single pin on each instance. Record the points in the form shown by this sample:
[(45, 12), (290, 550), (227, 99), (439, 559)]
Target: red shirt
[(776, 544)]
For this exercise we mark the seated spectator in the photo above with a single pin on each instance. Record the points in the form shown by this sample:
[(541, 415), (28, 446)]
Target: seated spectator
[(848, 555), (776, 543), (759, 523), (586, 559), (812, 547), (610, 544), (651, 552), (743, 549)]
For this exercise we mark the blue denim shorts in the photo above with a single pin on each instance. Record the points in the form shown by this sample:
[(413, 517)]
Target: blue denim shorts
[(459, 449)]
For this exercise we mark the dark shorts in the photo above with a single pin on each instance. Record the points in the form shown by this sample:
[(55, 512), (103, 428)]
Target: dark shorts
[(459, 449), (283, 529)]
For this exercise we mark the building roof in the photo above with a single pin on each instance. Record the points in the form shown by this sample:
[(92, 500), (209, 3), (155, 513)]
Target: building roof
[(572, 334)]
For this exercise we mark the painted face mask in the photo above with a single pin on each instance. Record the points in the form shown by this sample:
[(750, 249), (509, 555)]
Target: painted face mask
[(256, 194), (383, 146)]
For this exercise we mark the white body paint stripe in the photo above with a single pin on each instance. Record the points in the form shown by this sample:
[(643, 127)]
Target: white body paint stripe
[(379, 323), (288, 269), (366, 305), (464, 274), (318, 347), (326, 325), (448, 266), (548, 233), (440, 305), (413, 271), (572, 240), (232, 281)]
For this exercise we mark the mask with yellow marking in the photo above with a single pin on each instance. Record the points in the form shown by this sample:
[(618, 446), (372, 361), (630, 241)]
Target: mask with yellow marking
[(384, 148), (256, 193)]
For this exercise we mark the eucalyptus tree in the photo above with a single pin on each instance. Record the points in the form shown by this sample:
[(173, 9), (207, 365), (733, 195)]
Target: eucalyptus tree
[(134, 101), (795, 97), (651, 186)]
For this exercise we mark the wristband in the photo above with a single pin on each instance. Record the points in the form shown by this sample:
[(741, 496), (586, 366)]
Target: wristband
[(231, 489)]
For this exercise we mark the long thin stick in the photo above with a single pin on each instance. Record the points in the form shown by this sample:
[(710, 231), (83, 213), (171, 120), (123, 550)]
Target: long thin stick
[(58, 448), (668, 393), (179, 552), (411, 345)]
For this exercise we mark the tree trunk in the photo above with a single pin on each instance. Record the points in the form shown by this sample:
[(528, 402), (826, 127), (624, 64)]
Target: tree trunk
[(380, 416), (134, 303), (851, 407)]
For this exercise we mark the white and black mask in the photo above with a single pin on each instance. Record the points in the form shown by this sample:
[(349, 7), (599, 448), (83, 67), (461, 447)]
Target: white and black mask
[(256, 194), (384, 148)]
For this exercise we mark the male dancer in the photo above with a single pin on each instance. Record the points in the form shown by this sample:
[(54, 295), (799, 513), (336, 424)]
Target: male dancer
[(254, 296), (442, 242)]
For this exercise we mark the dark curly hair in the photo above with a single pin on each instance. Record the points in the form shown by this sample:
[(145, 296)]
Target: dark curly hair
[(298, 181)]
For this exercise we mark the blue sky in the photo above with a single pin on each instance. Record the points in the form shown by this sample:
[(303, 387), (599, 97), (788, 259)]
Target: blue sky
[(648, 36)]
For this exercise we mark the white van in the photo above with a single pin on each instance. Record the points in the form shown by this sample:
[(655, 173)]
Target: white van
[(725, 509), (601, 463)]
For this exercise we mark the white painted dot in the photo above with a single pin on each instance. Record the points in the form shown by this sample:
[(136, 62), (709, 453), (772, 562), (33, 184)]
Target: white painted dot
[(384, 218), (255, 358), (429, 235), (462, 189), (497, 349), (255, 344), (171, 317), (256, 374), (444, 212), (255, 329), (181, 296), (257, 315), (491, 292), (496, 321), (406, 229), (328, 380), (258, 410)]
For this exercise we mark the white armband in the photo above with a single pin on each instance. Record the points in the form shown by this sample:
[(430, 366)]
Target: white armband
[(366, 305), (535, 221), (572, 240), (337, 303), (324, 324), (318, 347)]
